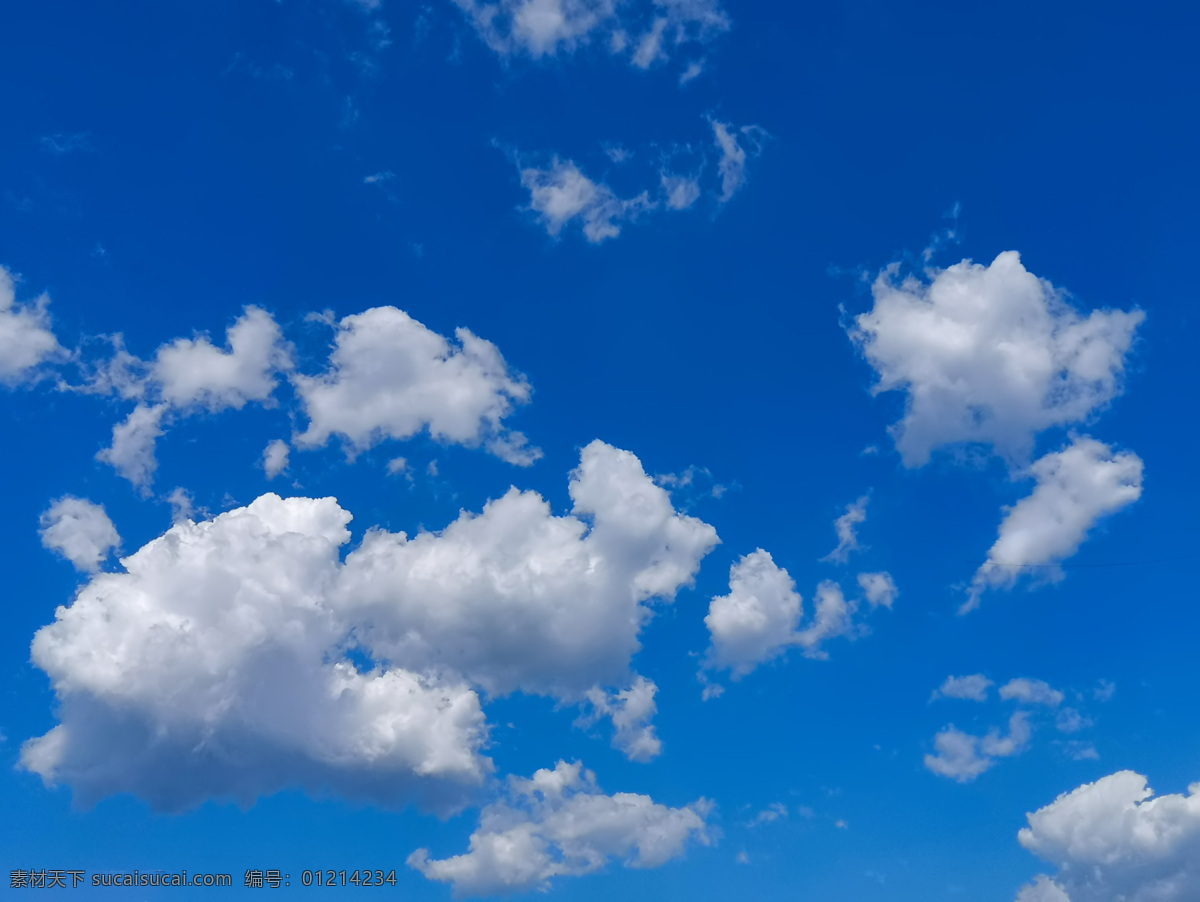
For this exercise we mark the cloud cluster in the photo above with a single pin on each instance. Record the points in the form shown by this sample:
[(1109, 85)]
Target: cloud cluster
[(643, 33), (760, 617), (1076, 488), (561, 195), (1113, 841), (239, 655), (559, 823), (963, 756), (387, 377), (27, 340), (993, 356)]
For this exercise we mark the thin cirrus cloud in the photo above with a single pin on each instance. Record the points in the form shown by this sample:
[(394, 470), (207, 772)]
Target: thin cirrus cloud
[(846, 527), (1114, 839), (644, 34), (562, 196), (218, 664), (560, 823)]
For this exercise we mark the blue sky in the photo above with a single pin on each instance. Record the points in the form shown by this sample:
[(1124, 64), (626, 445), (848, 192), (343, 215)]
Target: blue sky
[(837, 358)]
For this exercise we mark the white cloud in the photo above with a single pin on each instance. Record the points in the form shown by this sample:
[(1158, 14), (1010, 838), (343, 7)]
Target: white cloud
[(517, 599), (1076, 487), (275, 458), (562, 195), (219, 663), (971, 688), (1031, 692), (879, 588), (390, 377), (847, 534), (732, 165), (397, 465), (187, 375), (989, 354), (193, 372), (963, 756), (132, 450), (693, 70), (648, 32), (760, 617), (26, 338), (559, 823), (212, 667), (680, 191), (182, 504), (1043, 889), (1112, 841), (80, 531), (631, 711)]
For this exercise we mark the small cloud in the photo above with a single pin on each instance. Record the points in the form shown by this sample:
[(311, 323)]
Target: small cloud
[(64, 143), (275, 458), (1078, 750), (742, 858), (375, 178), (841, 824), (397, 465), (693, 70), (1104, 691), (432, 469), (971, 688), (846, 528)]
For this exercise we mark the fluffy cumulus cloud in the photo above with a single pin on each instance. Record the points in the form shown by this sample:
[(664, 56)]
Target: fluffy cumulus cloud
[(516, 598), (1076, 487), (191, 372), (989, 354), (186, 376), (210, 667), (878, 588), (27, 340), (239, 655), (562, 195), (559, 823), (80, 531), (390, 377), (963, 756), (760, 617), (1114, 841), (275, 458), (644, 33), (846, 527), (971, 688)]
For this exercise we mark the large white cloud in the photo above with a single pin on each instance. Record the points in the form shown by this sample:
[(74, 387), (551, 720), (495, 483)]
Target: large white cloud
[(26, 338), (80, 531), (989, 354), (644, 32), (1113, 841), (390, 377), (559, 823), (760, 617), (516, 598), (220, 662), (213, 667), (1076, 487)]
